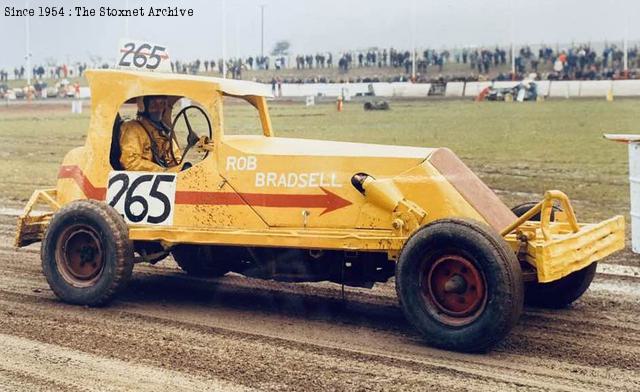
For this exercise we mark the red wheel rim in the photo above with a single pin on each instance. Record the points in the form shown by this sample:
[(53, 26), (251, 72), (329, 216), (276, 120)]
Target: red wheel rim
[(79, 255), (455, 289)]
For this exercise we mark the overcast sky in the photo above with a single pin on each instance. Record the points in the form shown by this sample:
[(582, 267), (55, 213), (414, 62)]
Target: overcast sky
[(315, 25)]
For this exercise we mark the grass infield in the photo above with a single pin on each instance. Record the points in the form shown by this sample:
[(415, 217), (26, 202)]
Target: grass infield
[(517, 149)]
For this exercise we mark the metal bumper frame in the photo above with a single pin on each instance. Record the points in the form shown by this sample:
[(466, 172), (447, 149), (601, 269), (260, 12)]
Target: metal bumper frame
[(559, 248), (32, 226)]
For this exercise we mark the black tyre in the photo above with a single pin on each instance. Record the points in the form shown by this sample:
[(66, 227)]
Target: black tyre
[(521, 209), (560, 293), (201, 260), (460, 285), (86, 254)]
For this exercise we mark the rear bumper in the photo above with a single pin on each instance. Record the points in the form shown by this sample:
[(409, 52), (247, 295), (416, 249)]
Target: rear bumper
[(33, 224)]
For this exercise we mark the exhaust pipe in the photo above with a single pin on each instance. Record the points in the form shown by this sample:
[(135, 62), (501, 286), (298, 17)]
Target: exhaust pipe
[(382, 193), (386, 195)]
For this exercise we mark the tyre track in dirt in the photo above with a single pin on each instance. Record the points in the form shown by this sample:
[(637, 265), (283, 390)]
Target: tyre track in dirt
[(263, 363), (457, 371), (321, 341), (43, 366)]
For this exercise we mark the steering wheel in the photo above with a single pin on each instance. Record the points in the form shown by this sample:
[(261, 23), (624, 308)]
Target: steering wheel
[(192, 137)]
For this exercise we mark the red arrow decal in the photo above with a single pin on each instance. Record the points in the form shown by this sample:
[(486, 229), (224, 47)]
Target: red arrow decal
[(209, 198), (328, 200)]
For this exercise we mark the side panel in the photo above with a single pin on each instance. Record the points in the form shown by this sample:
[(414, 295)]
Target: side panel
[(296, 190), (205, 200), (429, 189)]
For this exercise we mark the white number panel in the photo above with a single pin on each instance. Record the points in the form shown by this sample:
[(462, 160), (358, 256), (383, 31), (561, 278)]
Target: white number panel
[(143, 198), (143, 56)]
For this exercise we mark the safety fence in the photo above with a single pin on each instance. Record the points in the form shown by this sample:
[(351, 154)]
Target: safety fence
[(546, 88), (353, 89), (554, 89)]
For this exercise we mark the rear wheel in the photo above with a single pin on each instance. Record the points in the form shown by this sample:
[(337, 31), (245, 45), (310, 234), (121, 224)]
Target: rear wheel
[(562, 292), (460, 285), (201, 260), (87, 257)]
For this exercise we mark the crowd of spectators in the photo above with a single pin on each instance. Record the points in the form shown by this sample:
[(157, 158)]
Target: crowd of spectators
[(39, 72), (46, 81), (578, 62), (234, 67)]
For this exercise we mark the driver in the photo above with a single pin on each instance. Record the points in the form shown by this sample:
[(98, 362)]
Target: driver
[(147, 143)]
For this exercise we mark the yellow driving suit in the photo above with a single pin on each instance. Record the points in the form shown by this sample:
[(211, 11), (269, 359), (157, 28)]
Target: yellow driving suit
[(138, 139)]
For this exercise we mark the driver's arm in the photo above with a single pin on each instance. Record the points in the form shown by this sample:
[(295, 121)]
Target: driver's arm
[(176, 150), (136, 149), (177, 154)]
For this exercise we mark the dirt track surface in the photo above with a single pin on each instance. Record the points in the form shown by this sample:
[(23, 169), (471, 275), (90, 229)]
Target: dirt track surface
[(172, 332)]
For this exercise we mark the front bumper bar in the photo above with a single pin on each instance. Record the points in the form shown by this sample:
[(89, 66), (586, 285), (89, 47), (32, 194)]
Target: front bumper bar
[(557, 249)]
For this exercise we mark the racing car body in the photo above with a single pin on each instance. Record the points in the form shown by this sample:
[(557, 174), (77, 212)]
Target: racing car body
[(526, 91), (308, 210)]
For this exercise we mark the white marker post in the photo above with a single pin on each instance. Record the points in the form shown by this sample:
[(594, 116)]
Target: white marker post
[(634, 184), (76, 106), (28, 39), (311, 100)]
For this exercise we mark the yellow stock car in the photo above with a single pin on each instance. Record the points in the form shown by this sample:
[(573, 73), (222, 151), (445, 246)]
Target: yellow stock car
[(306, 210)]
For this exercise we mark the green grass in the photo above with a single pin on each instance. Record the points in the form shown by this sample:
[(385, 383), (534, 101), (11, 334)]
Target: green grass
[(518, 149)]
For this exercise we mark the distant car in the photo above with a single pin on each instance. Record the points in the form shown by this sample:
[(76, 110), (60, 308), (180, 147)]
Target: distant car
[(306, 210), (521, 92), (10, 95), (52, 92), (18, 93), (376, 105)]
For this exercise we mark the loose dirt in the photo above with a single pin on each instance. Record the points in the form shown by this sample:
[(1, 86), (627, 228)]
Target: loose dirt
[(168, 331)]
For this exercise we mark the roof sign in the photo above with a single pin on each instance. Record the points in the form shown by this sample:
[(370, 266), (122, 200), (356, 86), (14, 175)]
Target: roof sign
[(143, 56)]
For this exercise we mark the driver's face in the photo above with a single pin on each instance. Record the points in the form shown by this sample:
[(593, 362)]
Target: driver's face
[(156, 107)]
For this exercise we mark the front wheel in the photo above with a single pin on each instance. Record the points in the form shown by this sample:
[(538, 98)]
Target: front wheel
[(460, 285), (562, 292)]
